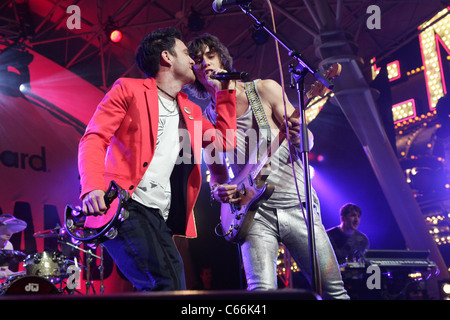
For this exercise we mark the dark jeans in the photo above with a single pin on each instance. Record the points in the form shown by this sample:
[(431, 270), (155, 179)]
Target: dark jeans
[(145, 252)]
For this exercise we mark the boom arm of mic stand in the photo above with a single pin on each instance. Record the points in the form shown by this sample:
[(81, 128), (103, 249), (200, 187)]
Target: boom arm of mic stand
[(304, 67), (293, 53)]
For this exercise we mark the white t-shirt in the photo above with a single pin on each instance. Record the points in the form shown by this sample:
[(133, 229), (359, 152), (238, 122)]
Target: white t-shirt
[(154, 189)]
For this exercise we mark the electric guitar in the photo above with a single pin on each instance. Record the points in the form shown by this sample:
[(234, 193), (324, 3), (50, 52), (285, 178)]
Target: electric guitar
[(74, 218), (236, 218)]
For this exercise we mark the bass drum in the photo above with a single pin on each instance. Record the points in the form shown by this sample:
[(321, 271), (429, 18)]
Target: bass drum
[(28, 285)]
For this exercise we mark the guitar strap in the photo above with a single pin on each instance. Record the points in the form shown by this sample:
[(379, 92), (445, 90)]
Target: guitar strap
[(258, 111)]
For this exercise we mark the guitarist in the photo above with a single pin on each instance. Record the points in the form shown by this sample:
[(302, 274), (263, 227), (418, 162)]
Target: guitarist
[(134, 138), (280, 218)]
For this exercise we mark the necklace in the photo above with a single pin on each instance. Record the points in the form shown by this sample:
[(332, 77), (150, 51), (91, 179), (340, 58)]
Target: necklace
[(174, 105), (168, 94)]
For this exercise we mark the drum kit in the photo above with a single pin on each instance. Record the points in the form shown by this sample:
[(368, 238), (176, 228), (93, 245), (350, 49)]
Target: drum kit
[(47, 272)]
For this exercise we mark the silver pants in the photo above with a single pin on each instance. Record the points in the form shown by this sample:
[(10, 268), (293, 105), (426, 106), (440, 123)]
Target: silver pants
[(260, 250)]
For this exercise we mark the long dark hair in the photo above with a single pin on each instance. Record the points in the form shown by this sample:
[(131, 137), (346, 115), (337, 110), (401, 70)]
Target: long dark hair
[(197, 49)]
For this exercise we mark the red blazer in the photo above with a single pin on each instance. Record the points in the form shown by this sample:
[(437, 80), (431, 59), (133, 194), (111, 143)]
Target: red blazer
[(120, 142)]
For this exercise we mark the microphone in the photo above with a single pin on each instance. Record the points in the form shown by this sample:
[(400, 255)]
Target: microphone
[(230, 76), (220, 6)]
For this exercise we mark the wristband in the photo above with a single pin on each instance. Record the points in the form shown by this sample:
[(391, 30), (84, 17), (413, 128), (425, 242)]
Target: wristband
[(213, 188)]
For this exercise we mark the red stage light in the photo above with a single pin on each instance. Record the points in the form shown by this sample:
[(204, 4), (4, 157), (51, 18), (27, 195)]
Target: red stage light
[(115, 36)]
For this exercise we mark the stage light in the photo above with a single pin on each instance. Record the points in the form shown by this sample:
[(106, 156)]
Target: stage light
[(393, 69), (434, 34), (14, 71), (10, 84), (112, 31), (404, 111), (316, 158), (115, 36), (444, 287), (24, 87), (312, 172)]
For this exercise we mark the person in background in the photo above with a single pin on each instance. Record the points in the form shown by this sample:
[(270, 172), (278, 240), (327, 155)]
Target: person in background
[(349, 244), (206, 279)]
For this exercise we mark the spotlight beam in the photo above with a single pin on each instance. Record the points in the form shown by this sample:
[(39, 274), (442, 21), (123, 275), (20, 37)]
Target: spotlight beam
[(53, 109)]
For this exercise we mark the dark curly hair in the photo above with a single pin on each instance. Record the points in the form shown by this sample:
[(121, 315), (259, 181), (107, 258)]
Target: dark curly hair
[(149, 50), (197, 49)]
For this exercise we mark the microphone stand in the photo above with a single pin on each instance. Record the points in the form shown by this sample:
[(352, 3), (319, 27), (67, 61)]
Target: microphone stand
[(102, 271), (299, 76), (89, 259), (304, 68), (292, 52)]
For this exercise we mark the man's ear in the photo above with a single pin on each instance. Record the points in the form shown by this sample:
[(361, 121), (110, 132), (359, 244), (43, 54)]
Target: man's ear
[(166, 58)]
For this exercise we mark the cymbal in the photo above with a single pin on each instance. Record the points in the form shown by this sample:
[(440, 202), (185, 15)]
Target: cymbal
[(10, 257), (9, 224), (52, 233)]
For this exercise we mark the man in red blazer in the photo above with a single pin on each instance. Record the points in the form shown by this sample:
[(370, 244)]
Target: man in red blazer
[(147, 136)]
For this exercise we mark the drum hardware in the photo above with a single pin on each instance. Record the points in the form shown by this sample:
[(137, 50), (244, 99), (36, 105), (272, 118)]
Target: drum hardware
[(51, 233), (48, 264), (11, 257), (45, 269), (53, 265), (9, 224), (102, 271), (89, 258)]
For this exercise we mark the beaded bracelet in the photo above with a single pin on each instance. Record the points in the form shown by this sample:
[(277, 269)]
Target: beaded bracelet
[(213, 188)]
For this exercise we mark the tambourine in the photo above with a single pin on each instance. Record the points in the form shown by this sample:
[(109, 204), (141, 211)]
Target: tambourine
[(74, 218)]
